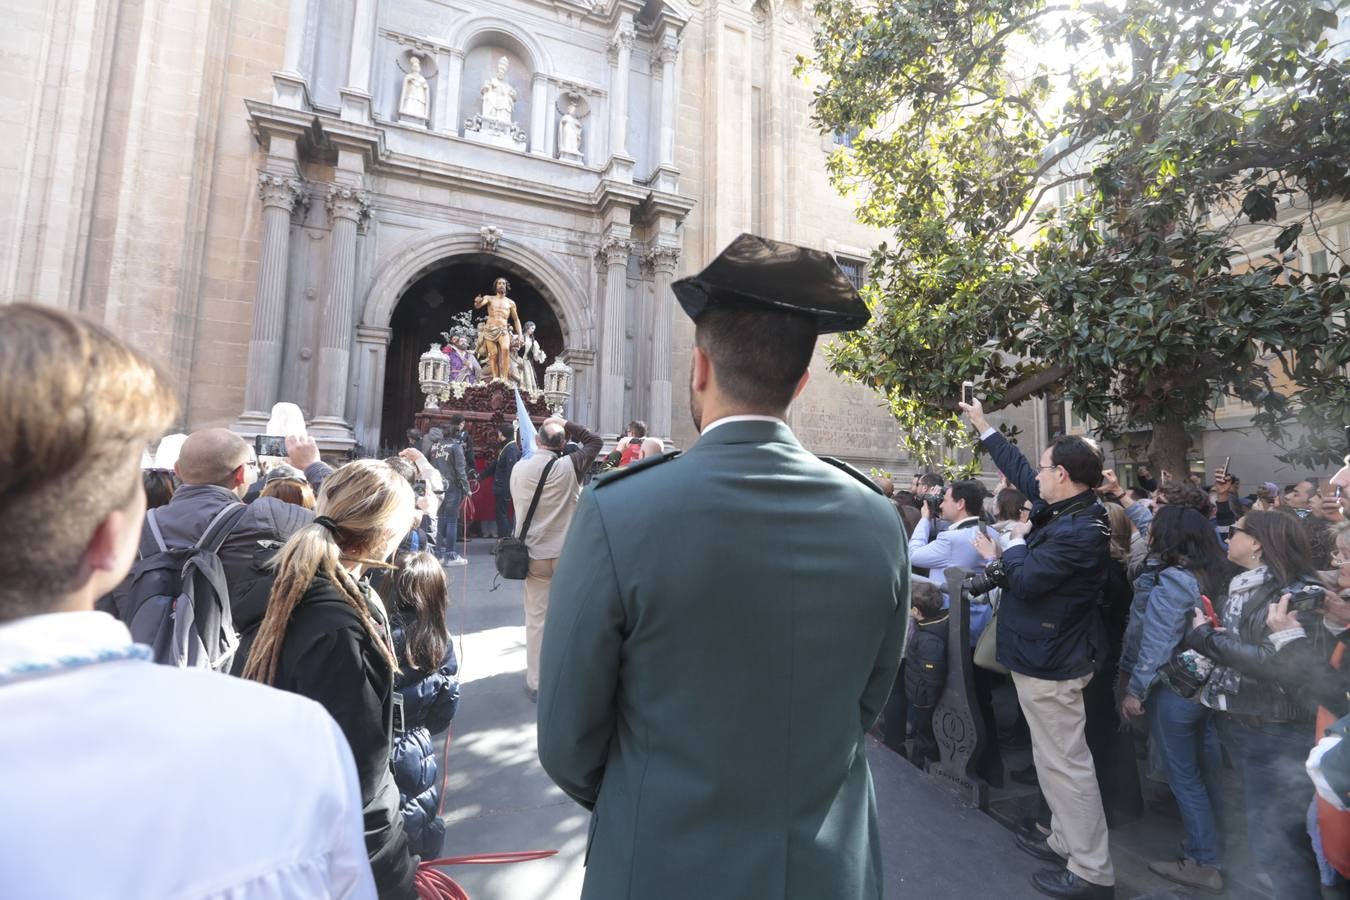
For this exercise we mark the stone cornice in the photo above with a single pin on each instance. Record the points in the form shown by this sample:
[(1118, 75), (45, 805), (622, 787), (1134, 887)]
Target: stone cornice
[(325, 132)]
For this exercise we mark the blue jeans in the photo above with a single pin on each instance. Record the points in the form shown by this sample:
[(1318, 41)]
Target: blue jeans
[(447, 522), (1189, 740), (1277, 789)]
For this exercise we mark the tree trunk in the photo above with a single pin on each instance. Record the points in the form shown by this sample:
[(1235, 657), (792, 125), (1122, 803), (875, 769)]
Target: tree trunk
[(1167, 449)]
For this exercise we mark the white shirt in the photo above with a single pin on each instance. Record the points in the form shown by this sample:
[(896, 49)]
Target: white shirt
[(747, 418), (126, 779)]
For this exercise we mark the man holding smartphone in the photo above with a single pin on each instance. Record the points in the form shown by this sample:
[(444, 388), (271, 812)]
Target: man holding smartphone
[(1051, 636)]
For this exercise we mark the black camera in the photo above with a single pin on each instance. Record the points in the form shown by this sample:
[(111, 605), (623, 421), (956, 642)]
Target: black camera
[(1308, 596), (420, 487), (980, 583), (934, 505)]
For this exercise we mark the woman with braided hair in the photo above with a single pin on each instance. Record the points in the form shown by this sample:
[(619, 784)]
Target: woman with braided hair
[(326, 636)]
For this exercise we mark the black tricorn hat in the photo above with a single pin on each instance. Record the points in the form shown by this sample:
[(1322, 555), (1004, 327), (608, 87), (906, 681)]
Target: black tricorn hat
[(757, 271)]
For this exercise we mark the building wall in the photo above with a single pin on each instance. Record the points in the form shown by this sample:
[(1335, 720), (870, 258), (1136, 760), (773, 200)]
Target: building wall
[(133, 194)]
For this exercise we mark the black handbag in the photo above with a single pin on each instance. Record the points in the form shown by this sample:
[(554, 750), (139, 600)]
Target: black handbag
[(513, 557)]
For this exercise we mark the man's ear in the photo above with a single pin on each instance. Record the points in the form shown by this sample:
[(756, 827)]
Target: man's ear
[(701, 372), (237, 476), (101, 553), (801, 384)]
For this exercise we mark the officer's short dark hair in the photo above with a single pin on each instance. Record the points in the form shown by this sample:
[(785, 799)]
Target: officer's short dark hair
[(972, 493), (758, 354), (926, 598), (507, 430), (1080, 457)]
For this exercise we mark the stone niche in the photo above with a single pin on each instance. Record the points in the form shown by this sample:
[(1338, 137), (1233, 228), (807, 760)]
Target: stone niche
[(480, 65)]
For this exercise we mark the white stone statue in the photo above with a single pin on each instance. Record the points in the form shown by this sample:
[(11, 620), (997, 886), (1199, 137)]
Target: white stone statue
[(569, 132), (499, 98), (414, 102)]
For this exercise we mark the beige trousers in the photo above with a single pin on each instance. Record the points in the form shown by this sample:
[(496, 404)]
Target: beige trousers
[(1056, 716), (537, 583)]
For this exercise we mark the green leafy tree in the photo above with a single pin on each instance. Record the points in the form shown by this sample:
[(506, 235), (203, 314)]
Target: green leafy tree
[(1181, 132)]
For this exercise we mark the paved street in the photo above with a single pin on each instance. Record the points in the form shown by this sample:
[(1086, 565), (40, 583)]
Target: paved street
[(498, 798)]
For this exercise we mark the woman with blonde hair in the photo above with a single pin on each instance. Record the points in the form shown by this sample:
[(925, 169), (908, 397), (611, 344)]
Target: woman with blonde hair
[(326, 636)]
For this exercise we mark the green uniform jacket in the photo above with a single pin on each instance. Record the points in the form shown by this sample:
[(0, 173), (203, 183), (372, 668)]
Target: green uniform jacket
[(723, 627)]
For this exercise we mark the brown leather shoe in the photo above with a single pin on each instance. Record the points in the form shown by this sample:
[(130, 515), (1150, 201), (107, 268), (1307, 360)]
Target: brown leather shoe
[(1189, 873)]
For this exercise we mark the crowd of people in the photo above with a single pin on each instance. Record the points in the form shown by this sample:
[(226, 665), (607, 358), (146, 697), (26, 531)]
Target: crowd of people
[(708, 706), (1211, 620)]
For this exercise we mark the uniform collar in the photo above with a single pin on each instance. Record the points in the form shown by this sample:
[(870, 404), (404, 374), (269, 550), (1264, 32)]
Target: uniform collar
[(747, 430)]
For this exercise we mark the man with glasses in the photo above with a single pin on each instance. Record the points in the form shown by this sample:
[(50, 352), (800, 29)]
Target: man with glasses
[(1051, 636)]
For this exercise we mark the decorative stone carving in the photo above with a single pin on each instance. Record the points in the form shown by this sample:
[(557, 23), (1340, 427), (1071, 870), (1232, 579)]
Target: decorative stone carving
[(569, 134), (415, 101), (668, 52), (495, 124), (660, 258), (615, 251), (488, 238), (282, 191), (348, 203), (957, 724), (622, 40)]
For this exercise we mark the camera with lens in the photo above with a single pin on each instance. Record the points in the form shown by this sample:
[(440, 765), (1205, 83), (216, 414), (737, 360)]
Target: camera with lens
[(1308, 596), (979, 583), (934, 505)]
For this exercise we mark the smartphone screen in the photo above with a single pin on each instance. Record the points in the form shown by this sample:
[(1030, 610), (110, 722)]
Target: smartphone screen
[(968, 392)]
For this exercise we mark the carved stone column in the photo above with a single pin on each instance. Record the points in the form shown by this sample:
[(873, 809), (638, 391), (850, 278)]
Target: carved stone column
[(347, 206), (666, 56), (539, 116), (288, 85), (447, 98), (356, 95), (663, 260), (280, 194), (622, 49), (614, 334)]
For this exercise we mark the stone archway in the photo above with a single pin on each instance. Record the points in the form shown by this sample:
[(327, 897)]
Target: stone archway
[(559, 289), (428, 307)]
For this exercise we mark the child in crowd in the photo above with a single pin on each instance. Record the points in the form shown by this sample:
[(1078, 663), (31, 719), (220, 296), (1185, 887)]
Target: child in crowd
[(427, 689), (926, 667)]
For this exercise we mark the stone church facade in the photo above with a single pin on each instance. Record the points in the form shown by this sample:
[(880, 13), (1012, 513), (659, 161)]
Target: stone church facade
[(288, 202)]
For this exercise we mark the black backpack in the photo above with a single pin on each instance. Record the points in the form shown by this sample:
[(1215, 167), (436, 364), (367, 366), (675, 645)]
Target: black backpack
[(177, 600)]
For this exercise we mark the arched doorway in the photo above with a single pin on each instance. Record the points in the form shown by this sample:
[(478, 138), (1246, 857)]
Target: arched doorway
[(427, 308)]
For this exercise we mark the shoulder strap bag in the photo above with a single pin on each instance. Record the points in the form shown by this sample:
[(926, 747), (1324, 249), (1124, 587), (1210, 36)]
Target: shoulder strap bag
[(513, 557)]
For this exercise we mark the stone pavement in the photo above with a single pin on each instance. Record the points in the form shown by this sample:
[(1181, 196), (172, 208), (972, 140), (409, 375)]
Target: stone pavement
[(498, 798)]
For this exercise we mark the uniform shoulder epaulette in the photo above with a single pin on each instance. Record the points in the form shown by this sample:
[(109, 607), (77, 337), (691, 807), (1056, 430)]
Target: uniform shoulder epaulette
[(843, 466), (632, 468)]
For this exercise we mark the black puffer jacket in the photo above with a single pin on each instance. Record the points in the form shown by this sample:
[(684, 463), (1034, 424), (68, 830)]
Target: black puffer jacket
[(429, 703), (926, 663), (328, 656)]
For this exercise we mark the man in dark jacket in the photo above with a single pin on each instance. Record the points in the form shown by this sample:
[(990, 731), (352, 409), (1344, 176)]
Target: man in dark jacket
[(499, 470), (1050, 635), (216, 468)]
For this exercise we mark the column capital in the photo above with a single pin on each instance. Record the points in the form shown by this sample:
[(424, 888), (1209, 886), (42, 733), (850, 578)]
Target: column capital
[(667, 52), (614, 251), (661, 259), (622, 40), (282, 191), (348, 203)]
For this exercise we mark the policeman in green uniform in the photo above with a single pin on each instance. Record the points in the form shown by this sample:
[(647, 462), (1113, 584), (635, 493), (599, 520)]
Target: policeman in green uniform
[(726, 624)]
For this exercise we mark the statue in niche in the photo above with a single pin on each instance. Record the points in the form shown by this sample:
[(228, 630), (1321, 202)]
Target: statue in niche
[(569, 132), (499, 98), (414, 102)]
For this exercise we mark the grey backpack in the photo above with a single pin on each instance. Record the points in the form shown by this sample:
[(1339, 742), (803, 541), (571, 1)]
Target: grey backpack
[(177, 600)]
